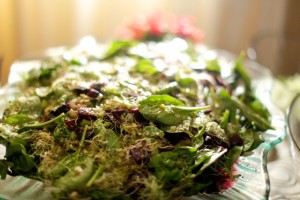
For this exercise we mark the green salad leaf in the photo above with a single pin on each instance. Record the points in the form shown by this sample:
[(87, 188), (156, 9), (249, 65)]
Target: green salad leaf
[(166, 110)]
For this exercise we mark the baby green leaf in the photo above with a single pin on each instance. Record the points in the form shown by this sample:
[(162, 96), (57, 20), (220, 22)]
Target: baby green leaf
[(166, 110), (232, 156), (187, 82), (252, 116), (207, 157), (73, 180), (22, 163), (161, 99), (145, 66), (118, 47), (4, 165), (112, 139), (18, 119), (213, 66)]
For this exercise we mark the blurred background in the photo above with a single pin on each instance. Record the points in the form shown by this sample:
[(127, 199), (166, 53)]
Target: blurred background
[(270, 27)]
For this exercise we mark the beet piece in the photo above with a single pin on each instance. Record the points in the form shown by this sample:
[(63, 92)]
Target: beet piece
[(61, 109), (139, 117), (86, 113), (93, 93), (79, 132), (81, 90), (236, 140), (140, 153), (71, 124), (115, 116), (97, 86)]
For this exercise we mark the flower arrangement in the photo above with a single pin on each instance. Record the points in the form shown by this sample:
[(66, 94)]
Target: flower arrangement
[(159, 26)]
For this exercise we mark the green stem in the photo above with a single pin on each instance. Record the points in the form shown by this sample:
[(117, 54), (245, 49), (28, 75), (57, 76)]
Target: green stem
[(225, 119), (95, 176), (40, 125), (81, 144), (201, 132)]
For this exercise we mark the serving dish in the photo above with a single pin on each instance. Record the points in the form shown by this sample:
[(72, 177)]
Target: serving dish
[(253, 182)]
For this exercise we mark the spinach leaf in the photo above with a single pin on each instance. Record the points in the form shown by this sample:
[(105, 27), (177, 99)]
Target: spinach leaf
[(161, 99), (213, 129), (72, 180), (117, 48), (240, 70), (18, 119), (225, 119), (168, 89), (89, 76), (187, 82), (254, 118), (17, 157), (43, 91), (187, 85), (206, 157), (152, 131), (4, 165), (258, 107), (213, 66), (112, 139), (166, 110), (241, 78), (198, 139), (61, 168), (61, 131), (171, 167), (183, 127), (223, 101), (30, 106), (165, 166), (145, 66), (44, 75), (231, 157), (106, 134), (252, 139)]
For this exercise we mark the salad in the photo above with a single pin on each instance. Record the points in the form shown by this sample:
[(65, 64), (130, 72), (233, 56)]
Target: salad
[(143, 119)]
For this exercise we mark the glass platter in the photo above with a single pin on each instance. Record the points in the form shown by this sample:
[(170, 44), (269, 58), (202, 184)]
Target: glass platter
[(254, 180)]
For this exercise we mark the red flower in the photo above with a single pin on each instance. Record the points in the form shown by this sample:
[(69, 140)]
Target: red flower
[(134, 30), (185, 27), (159, 25)]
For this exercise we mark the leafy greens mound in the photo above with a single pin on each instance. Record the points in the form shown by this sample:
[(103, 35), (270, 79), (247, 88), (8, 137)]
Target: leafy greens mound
[(143, 120)]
